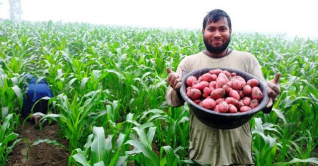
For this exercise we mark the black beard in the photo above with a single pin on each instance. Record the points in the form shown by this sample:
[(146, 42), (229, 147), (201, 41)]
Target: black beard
[(216, 50)]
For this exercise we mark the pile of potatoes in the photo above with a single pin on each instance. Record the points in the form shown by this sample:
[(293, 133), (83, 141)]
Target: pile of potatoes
[(225, 92)]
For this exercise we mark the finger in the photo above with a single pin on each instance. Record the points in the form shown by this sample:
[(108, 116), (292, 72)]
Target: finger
[(169, 77), (276, 79), (271, 93), (170, 74), (169, 70), (176, 82), (172, 79), (270, 103), (178, 86), (274, 87)]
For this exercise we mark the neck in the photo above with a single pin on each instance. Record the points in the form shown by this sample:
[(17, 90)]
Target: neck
[(219, 55)]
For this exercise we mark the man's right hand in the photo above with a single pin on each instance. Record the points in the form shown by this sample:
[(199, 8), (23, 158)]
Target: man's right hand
[(174, 80)]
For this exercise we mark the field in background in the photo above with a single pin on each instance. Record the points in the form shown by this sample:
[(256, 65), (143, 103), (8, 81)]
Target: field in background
[(109, 85)]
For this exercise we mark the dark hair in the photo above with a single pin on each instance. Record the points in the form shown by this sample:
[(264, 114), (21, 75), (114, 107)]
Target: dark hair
[(215, 15)]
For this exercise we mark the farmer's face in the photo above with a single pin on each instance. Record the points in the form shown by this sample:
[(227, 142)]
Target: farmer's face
[(217, 36)]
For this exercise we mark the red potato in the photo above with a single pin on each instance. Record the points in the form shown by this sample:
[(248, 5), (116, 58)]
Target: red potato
[(223, 107), (228, 74), (208, 104), (252, 82), (197, 101), (255, 87), (222, 75), (257, 93), (220, 82), (246, 101), (206, 92), (188, 88), (215, 71), (201, 85), (243, 81), (234, 94), (216, 109), (245, 109), (240, 104), (194, 94), (206, 77), (235, 84), (231, 100), (240, 92), (226, 88), (219, 100), (190, 80), (233, 74), (212, 85), (232, 108), (214, 76), (254, 103), (247, 90), (195, 82), (217, 93)]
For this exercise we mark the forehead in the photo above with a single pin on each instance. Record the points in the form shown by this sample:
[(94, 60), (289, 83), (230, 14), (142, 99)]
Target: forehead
[(221, 22)]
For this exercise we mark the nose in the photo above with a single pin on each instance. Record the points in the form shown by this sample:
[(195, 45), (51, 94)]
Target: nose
[(217, 34)]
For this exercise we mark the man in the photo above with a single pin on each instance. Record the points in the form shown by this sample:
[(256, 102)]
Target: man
[(211, 145), (36, 91)]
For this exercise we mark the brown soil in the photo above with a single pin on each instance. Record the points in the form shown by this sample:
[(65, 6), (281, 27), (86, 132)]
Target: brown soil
[(43, 154)]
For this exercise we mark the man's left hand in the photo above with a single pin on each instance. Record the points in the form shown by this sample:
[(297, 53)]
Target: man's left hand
[(273, 90)]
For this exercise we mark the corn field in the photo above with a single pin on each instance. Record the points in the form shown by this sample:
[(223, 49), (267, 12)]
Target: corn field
[(109, 87)]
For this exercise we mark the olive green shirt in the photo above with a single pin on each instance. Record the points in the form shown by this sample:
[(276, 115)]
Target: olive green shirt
[(211, 145)]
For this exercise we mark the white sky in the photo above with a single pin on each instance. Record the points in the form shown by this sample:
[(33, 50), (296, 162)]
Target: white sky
[(295, 18)]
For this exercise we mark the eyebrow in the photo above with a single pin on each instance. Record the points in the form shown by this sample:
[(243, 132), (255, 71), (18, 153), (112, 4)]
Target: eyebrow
[(222, 26)]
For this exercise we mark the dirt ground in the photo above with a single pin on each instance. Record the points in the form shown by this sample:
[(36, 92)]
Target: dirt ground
[(43, 154)]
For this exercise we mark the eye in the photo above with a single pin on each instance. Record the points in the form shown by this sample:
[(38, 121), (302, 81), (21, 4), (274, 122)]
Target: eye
[(223, 29), (211, 29)]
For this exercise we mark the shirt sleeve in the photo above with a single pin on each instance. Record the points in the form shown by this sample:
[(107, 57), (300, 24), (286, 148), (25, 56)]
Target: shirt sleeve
[(256, 69)]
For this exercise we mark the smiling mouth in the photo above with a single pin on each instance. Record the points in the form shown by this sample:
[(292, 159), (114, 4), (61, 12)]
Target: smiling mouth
[(217, 42)]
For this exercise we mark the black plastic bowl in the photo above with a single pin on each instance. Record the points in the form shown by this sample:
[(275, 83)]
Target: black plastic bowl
[(222, 120)]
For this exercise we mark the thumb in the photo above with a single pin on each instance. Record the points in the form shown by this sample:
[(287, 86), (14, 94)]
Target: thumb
[(276, 79), (270, 103), (169, 70)]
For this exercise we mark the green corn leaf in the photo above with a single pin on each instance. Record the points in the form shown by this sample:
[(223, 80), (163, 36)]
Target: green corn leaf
[(118, 74), (259, 124), (4, 111), (18, 92), (142, 136), (145, 125), (10, 137), (170, 157), (98, 146), (101, 163), (122, 161), (151, 134), (120, 140), (83, 83), (296, 160), (48, 141), (280, 115), (80, 159), (145, 150)]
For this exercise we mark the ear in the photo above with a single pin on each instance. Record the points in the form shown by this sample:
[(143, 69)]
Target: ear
[(230, 31), (203, 31)]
